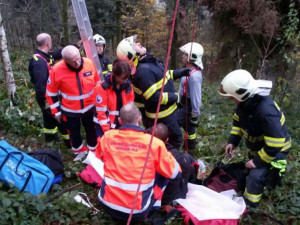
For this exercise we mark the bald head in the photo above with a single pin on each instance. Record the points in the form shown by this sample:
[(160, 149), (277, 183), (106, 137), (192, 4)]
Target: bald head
[(42, 39), (72, 56), (43, 42), (130, 114)]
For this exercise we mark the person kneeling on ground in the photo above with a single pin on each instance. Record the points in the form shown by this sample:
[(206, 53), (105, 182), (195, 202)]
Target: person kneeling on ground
[(124, 153), (176, 188), (260, 121)]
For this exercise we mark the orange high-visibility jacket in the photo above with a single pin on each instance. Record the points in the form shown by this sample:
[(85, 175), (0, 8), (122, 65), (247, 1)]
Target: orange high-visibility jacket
[(106, 102), (76, 89), (124, 152)]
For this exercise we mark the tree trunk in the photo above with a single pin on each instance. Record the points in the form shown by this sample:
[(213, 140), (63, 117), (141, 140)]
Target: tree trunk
[(118, 34), (174, 46), (6, 64), (64, 18)]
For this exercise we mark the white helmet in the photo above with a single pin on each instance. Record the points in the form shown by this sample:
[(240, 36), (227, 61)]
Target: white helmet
[(99, 40), (238, 84), (195, 52), (125, 50)]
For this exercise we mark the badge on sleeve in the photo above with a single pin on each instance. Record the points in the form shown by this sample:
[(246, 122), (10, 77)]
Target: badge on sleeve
[(49, 80), (98, 99)]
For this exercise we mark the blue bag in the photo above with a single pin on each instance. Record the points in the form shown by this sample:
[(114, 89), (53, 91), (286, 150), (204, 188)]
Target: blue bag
[(23, 171)]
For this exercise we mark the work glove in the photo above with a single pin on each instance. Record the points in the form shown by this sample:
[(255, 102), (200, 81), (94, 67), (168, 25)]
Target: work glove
[(280, 165), (181, 72), (194, 119), (275, 173)]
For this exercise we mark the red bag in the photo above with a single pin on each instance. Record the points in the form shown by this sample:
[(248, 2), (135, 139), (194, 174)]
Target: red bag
[(90, 176), (188, 218), (227, 176), (219, 180)]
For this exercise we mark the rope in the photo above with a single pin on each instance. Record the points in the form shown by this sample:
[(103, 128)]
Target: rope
[(186, 134), (157, 111)]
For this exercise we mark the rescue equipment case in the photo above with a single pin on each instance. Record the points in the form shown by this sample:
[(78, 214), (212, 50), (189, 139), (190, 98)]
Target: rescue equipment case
[(23, 171)]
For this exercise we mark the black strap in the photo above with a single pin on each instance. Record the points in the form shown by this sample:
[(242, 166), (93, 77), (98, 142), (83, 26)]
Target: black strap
[(80, 90)]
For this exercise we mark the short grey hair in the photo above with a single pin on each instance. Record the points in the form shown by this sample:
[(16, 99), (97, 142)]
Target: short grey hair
[(69, 52), (129, 114)]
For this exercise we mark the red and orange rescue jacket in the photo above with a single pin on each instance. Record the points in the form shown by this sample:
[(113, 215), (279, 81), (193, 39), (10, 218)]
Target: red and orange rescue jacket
[(75, 88), (124, 152), (109, 101)]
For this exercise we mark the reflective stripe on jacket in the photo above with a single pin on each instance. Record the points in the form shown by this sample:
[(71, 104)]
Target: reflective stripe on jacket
[(124, 153), (148, 81), (260, 121), (75, 88), (107, 98), (105, 63)]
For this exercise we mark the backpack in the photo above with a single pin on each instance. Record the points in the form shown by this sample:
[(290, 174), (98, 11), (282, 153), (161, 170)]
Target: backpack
[(227, 176), (51, 159)]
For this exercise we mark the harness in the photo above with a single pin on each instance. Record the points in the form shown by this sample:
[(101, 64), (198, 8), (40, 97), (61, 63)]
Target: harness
[(186, 82), (49, 64), (186, 108)]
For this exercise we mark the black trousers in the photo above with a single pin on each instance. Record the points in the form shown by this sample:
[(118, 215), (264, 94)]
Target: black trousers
[(73, 125), (255, 183), (50, 124), (185, 123)]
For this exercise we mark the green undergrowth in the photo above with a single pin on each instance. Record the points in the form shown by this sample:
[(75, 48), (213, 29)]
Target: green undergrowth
[(21, 123)]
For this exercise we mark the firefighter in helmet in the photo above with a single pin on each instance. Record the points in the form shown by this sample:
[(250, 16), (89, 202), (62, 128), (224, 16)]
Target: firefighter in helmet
[(260, 121), (190, 92), (147, 77), (105, 63)]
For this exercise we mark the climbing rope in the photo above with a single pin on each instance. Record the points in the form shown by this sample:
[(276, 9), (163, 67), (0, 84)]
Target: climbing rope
[(157, 111), (186, 134), (159, 102)]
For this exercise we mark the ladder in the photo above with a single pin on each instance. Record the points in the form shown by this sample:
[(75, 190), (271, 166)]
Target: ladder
[(86, 33)]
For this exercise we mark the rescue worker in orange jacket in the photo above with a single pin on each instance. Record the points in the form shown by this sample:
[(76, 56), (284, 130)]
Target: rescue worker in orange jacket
[(114, 92), (39, 68), (124, 153), (74, 79)]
